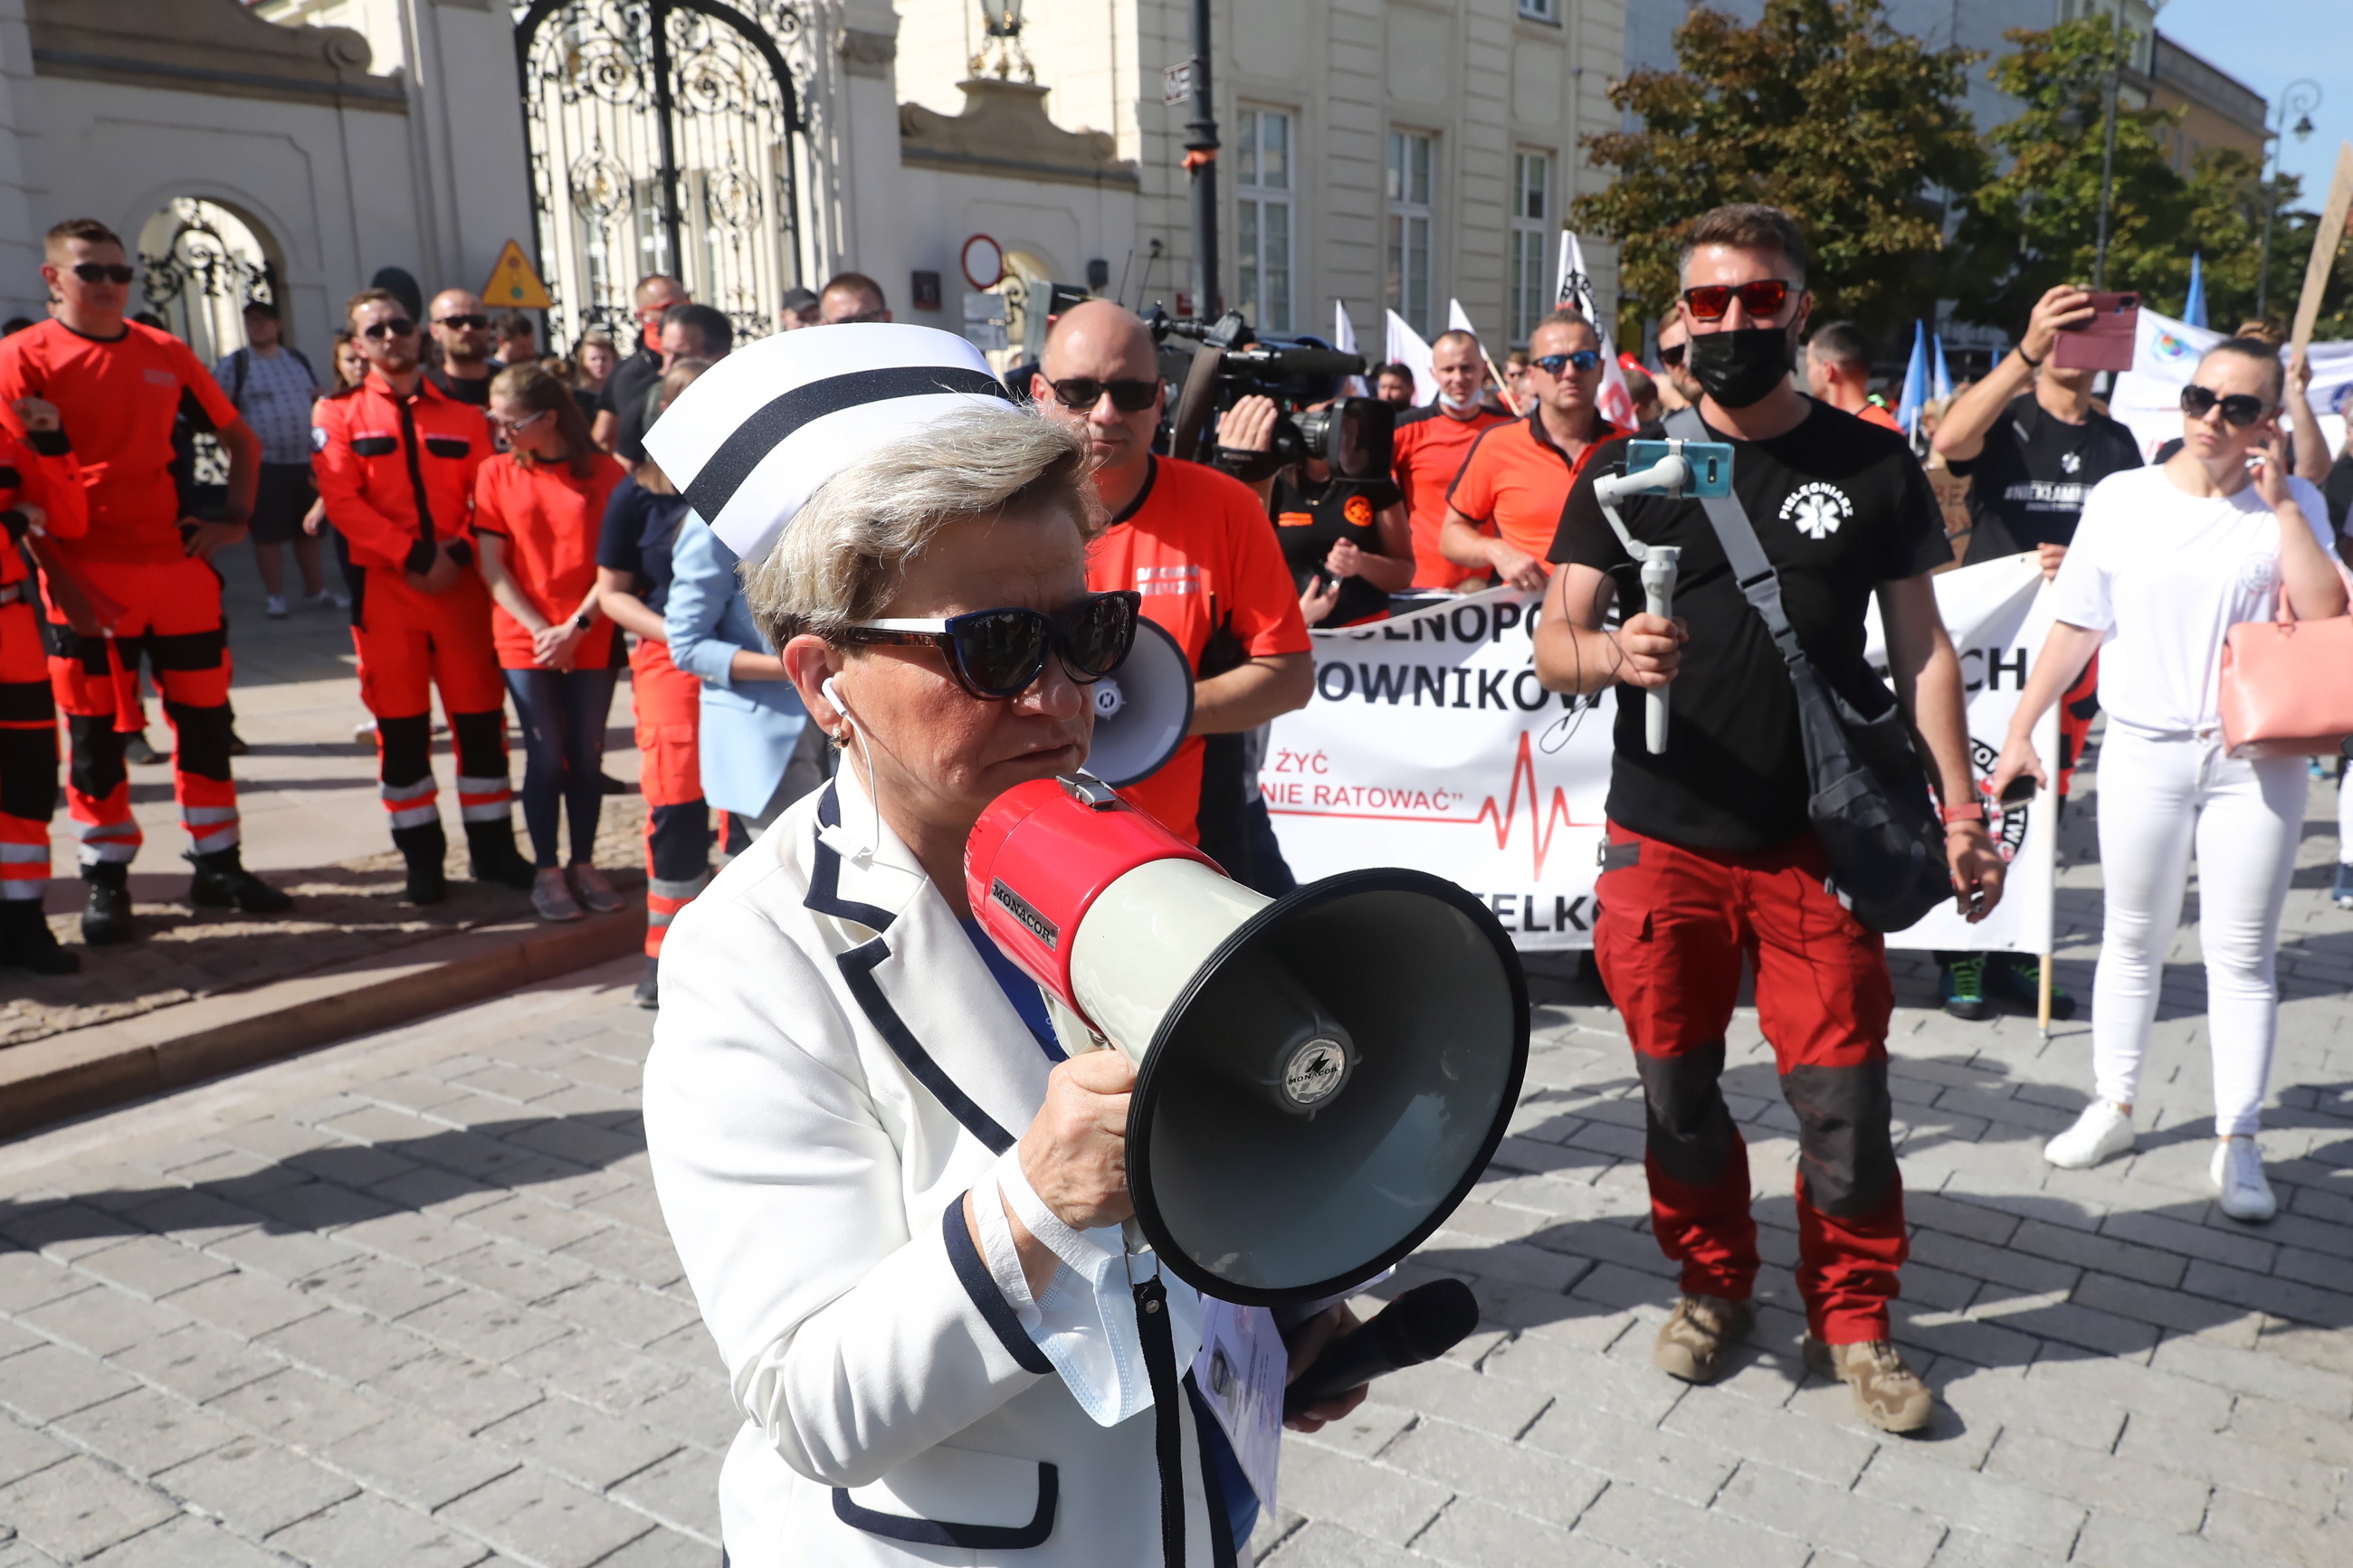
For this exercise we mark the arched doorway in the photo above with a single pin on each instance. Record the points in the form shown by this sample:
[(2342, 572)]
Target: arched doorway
[(665, 136), (199, 263)]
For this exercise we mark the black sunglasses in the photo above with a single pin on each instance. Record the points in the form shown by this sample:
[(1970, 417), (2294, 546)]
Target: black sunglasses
[(1671, 354), (1553, 365), (1762, 297), (467, 322), (103, 271), (396, 327), (2240, 408), (1082, 392), (998, 654)]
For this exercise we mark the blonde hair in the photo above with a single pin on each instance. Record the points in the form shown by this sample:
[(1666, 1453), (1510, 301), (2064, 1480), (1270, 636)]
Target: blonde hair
[(840, 560)]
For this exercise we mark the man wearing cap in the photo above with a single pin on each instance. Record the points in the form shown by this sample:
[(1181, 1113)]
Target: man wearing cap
[(1195, 545), (1431, 446), (800, 309), (273, 388)]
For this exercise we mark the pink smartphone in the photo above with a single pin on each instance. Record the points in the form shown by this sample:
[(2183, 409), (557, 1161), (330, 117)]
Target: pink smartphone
[(2106, 341)]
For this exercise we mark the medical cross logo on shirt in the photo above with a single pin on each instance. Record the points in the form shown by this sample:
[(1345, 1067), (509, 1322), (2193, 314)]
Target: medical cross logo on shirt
[(1816, 510)]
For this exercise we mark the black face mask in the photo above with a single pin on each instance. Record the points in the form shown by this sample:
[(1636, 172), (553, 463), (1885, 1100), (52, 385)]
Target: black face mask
[(1742, 366)]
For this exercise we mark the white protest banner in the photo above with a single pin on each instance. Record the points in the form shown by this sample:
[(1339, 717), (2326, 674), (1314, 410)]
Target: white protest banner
[(1430, 743)]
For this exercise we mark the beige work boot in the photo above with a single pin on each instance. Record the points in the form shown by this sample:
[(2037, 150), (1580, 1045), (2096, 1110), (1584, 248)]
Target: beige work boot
[(1887, 1393), (1693, 1341)]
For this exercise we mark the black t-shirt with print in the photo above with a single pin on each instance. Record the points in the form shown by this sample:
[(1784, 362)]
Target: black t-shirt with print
[(2337, 490), (1310, 517), (1840, 507), (2027, 488)]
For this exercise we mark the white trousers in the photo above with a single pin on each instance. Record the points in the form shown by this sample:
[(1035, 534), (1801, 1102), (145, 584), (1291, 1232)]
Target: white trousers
[(2156, 799)]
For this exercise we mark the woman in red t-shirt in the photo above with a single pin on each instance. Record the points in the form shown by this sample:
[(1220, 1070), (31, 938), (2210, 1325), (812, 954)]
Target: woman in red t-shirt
[(537, 510)]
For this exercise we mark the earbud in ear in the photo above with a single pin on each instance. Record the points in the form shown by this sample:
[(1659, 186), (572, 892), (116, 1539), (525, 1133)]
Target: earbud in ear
[(833, 695)]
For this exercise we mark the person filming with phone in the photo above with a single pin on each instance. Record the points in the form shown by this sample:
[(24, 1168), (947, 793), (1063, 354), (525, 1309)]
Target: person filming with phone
[(2164, 562)]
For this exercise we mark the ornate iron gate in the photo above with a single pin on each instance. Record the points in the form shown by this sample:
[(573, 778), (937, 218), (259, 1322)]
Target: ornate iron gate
[(665, 136)]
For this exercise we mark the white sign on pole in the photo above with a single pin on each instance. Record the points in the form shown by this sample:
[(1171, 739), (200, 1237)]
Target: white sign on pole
[(1176, 84), (1430, 743)]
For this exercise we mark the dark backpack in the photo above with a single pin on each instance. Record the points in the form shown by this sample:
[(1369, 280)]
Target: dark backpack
[(243, 360)]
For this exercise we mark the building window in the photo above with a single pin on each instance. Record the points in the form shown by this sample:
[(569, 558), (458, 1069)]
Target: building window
[(1262, 232), (1409, 230), (1540, 10), (1532, 228)]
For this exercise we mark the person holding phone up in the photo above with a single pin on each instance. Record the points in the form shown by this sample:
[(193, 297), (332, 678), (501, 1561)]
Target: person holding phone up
[(2165, 562)]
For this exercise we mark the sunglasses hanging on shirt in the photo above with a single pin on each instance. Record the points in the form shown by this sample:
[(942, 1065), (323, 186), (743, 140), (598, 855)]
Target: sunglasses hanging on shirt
[(2240, 408)]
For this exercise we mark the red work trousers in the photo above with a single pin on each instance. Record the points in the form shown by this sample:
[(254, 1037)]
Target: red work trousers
[(2077, 708), (668, 704), (410, 643), (1674, 928), (172, 616), (29, 749)]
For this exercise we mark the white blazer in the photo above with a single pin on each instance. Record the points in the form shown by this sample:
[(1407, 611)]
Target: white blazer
[(833, 1064)]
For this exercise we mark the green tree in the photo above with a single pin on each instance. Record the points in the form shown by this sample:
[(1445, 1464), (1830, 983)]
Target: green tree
[(1820, 109)]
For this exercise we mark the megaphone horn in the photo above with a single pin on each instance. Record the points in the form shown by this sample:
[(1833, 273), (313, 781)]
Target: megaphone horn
[(1320, 1079), (1142, 709)]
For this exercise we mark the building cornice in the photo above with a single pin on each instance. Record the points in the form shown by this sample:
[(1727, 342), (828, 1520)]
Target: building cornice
[(206, 46)]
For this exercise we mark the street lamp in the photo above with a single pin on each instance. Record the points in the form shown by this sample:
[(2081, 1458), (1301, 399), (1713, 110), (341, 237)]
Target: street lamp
[(1001, 19), (2299, 99)]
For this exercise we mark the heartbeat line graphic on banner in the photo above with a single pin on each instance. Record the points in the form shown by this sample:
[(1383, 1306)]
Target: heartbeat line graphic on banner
[(1544, 818)]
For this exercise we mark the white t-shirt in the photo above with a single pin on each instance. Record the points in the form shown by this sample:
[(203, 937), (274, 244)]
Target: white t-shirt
[(2165, 575)]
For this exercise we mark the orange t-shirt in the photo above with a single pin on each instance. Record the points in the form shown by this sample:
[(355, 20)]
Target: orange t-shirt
[(1515, 482), (548, 523), (1196, 545), (1873, 414), (1431, 447), (120, 398)]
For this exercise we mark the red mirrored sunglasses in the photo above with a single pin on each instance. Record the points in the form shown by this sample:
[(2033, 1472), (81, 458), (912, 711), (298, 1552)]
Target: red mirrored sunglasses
[(1763, 297)]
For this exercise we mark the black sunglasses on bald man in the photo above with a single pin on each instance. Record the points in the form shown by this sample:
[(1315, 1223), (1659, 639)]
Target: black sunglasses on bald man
[(998, 654), (103, 271), (1081, 392)]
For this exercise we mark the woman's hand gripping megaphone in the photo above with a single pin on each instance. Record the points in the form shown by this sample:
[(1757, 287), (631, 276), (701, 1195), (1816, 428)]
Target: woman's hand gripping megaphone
[(1074, 1154)]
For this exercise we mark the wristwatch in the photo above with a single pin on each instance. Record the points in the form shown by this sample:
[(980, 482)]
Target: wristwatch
[(584, 620)]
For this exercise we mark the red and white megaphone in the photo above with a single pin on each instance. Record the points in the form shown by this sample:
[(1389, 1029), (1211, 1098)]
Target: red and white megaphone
[(1320, 1079)]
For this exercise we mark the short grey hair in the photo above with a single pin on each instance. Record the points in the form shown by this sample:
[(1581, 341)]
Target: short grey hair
[(840, 560)]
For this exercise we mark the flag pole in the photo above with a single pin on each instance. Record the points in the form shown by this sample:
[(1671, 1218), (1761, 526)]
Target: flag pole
[(1502, 387)]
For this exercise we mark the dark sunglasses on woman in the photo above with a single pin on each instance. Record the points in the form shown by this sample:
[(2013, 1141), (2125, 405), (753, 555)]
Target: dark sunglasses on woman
[(1671, 354), (1083, 393), (1763, 297), (398, 327), (2240, 408), (996, 654), (103, 271), (1556, 365)]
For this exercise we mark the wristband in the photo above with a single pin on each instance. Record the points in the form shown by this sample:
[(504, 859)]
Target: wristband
[(2031, 362)]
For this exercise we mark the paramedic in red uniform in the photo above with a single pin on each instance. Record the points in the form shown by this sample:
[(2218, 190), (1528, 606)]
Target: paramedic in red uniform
[(40, 496), (395, 462), (120, 387), (1195, 542), (1431, 443)]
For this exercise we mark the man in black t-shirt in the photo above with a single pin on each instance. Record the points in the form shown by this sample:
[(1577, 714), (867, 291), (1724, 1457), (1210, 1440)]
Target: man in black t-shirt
[(1709, 857), (636, 377)]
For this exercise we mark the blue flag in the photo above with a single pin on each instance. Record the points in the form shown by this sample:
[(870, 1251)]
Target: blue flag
[(1915, 383), (2194, 311), (1940, 376)]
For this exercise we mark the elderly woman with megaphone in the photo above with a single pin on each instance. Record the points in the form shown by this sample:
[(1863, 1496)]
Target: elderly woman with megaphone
[(898, 1204)]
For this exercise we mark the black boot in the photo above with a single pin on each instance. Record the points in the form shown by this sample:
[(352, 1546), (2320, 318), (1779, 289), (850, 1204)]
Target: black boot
[(27, 943), (107, 919), (222, 882), (425, 847), (490, 846), (649, 992)]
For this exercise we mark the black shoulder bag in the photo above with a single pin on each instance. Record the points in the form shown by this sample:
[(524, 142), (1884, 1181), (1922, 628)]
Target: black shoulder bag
[(1867, 794)]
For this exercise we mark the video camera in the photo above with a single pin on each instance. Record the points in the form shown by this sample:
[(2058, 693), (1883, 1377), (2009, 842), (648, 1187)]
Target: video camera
[(1219, 363)]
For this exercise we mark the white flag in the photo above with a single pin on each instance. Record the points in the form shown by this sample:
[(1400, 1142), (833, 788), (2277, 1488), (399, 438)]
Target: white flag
[(1458, 319), (1575, 289), (1406, 348), (1344, 338)]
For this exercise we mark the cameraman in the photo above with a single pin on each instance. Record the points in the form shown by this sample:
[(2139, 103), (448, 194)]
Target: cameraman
[(1345, 540), (1195, 543)]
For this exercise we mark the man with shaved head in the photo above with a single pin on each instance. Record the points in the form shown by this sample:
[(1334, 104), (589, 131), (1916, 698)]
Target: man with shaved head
[(1431, 446), (461, 327), (1197, 545)]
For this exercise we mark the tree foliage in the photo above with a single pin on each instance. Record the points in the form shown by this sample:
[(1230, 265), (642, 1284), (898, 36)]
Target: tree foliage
[(1823, 110)]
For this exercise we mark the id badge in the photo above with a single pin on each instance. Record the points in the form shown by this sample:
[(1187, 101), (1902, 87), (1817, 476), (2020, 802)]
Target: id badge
[(1239, 1370)]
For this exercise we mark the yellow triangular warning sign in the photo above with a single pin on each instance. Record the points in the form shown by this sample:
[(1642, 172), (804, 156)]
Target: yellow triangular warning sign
[(513, 286)]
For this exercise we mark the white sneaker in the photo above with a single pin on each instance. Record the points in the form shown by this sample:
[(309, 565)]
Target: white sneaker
[(275, 607), (329, 598), (2102, 1133), (2238, 1174)]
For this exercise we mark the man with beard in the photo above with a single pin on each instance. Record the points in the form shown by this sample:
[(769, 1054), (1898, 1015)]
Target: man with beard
[(395, 461), (1431, 446), (461, 329), (637, 375), (1709, 856)]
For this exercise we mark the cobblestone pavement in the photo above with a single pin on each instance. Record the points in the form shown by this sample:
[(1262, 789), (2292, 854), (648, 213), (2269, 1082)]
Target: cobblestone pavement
[(408, 1300)]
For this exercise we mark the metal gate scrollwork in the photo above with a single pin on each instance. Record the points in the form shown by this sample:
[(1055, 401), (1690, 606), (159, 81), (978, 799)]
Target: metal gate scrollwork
[(666, 136)]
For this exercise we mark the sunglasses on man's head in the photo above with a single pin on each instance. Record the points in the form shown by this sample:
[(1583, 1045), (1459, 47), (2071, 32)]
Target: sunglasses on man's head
[(466, 321), (103, 271), (1556, 365), (2239, 408), (996, 654), (1081, 392), (1762, 297), (395, 327)]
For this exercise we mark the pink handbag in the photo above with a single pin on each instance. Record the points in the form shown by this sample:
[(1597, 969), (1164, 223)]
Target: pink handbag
[(2287, 685)]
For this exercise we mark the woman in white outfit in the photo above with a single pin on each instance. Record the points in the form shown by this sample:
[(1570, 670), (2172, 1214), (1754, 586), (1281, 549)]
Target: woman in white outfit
[(898, 1205), (2165, 562)]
